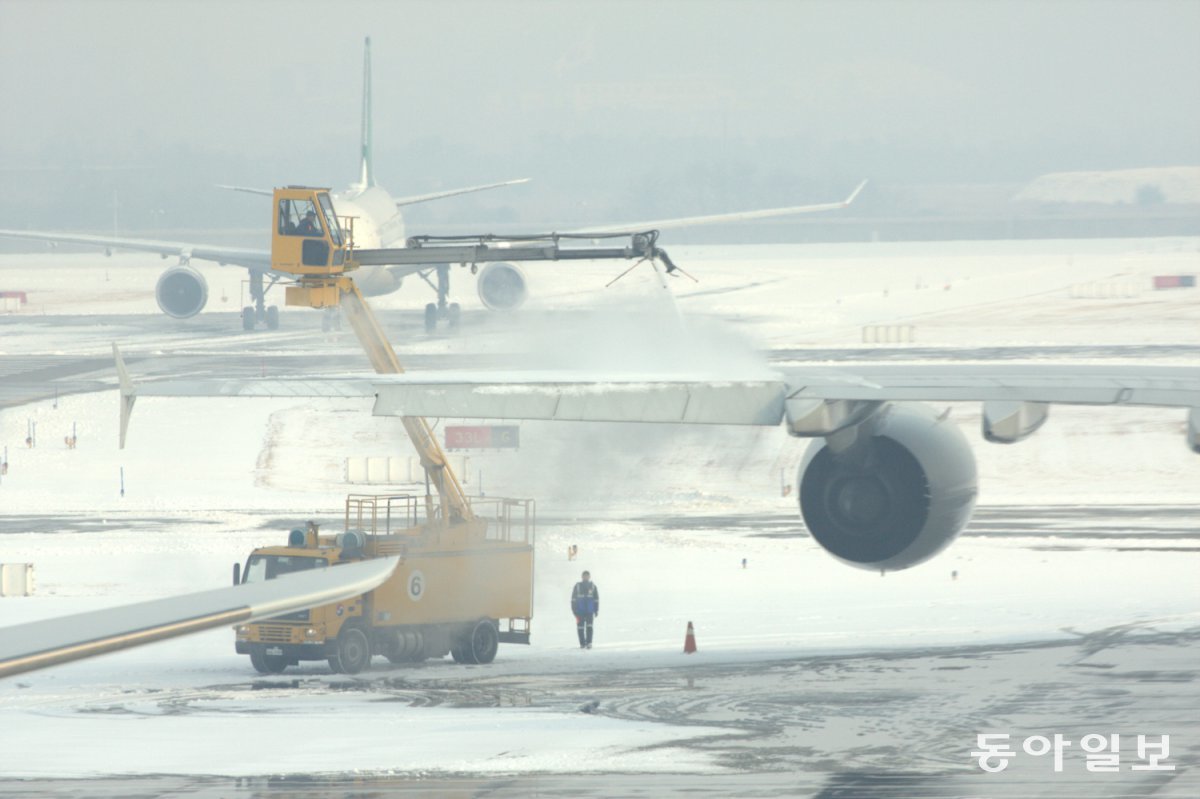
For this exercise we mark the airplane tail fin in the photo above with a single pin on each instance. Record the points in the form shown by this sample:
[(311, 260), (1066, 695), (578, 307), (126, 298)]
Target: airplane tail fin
[(367, 173)]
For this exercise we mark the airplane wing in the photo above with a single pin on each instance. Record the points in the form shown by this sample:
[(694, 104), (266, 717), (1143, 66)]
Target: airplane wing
[(623, 399), (813, 401), (1070, 384), (735, 216), (38, 644), (437, 195), (692, 399), (402, 201), (246, 189), (255, 260)]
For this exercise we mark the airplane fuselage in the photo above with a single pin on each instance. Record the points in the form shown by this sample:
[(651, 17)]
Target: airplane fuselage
[(377, 221)]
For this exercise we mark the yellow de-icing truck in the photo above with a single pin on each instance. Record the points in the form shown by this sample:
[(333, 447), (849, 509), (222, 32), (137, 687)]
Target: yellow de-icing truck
[(466, 563), (461, 588)]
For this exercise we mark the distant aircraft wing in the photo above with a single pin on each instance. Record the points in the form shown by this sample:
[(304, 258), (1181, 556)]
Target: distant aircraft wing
[(402, 201), (247, 189), (438, 195), (735, 216), (255, 260), (38, 644)]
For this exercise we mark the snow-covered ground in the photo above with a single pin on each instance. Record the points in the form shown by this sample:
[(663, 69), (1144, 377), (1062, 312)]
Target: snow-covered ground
[(663, 516)]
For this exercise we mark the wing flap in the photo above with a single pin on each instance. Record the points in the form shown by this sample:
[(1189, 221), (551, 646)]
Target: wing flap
[(1074, 384), (39, 644), (263, 387), (686, 402)]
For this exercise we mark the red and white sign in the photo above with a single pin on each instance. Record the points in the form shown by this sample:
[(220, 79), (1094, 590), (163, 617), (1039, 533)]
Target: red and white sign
[(483, 437)]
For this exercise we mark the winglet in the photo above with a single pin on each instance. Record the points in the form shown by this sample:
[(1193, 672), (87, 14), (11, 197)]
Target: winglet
[(128, 393), (854, 194)]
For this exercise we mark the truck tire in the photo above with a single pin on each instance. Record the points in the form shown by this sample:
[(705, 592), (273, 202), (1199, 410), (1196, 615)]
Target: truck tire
[(480, 645), (267, 664), (353, 651)]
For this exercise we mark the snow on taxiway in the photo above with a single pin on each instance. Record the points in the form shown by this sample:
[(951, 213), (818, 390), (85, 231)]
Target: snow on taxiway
[(663, 518)]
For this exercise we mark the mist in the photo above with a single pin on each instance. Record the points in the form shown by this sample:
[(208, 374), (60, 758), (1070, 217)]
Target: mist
[(125, 114)]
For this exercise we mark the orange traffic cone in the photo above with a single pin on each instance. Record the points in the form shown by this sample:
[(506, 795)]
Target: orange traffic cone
[(689, 640)]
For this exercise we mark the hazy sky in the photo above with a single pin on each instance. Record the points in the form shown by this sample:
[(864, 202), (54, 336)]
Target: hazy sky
[(617, 101)]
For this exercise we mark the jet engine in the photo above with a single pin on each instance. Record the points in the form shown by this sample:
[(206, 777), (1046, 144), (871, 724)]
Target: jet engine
[(892, 493), (181, 292), (501, 286)]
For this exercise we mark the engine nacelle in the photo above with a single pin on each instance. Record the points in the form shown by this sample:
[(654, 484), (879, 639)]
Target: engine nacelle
[(376, 281), (894, 498), (501, 286), (181, 292)]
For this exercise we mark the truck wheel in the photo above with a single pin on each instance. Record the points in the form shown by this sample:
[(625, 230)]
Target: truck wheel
[(267, 664), (354, 651), (481, 645)]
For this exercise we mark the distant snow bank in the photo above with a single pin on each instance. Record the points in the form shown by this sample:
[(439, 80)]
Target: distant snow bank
[(1175, 184)]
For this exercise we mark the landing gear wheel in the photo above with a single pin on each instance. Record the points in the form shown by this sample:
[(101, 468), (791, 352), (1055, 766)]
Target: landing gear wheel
[(248, 318), (430, 318), (354, 651), (273, 317), (267, 664), (454, 315)]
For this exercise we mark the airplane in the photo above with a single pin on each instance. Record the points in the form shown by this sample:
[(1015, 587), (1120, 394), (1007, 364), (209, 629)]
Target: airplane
[(182, 292)]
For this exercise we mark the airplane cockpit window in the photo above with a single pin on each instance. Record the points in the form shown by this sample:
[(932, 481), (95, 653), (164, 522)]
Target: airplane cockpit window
[(268, 567), (298, 218)]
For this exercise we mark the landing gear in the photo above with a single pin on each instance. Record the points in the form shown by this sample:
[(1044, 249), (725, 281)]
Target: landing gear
[(442, 309), (260, 312)]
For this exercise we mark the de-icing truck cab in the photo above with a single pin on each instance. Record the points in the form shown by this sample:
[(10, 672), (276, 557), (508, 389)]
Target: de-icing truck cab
[(463, 586)]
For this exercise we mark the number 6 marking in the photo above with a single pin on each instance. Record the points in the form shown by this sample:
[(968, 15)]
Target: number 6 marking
[(416, 586)]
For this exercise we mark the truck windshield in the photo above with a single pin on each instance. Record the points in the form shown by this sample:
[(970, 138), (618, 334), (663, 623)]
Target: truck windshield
[(268, 567), (335, 230)]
